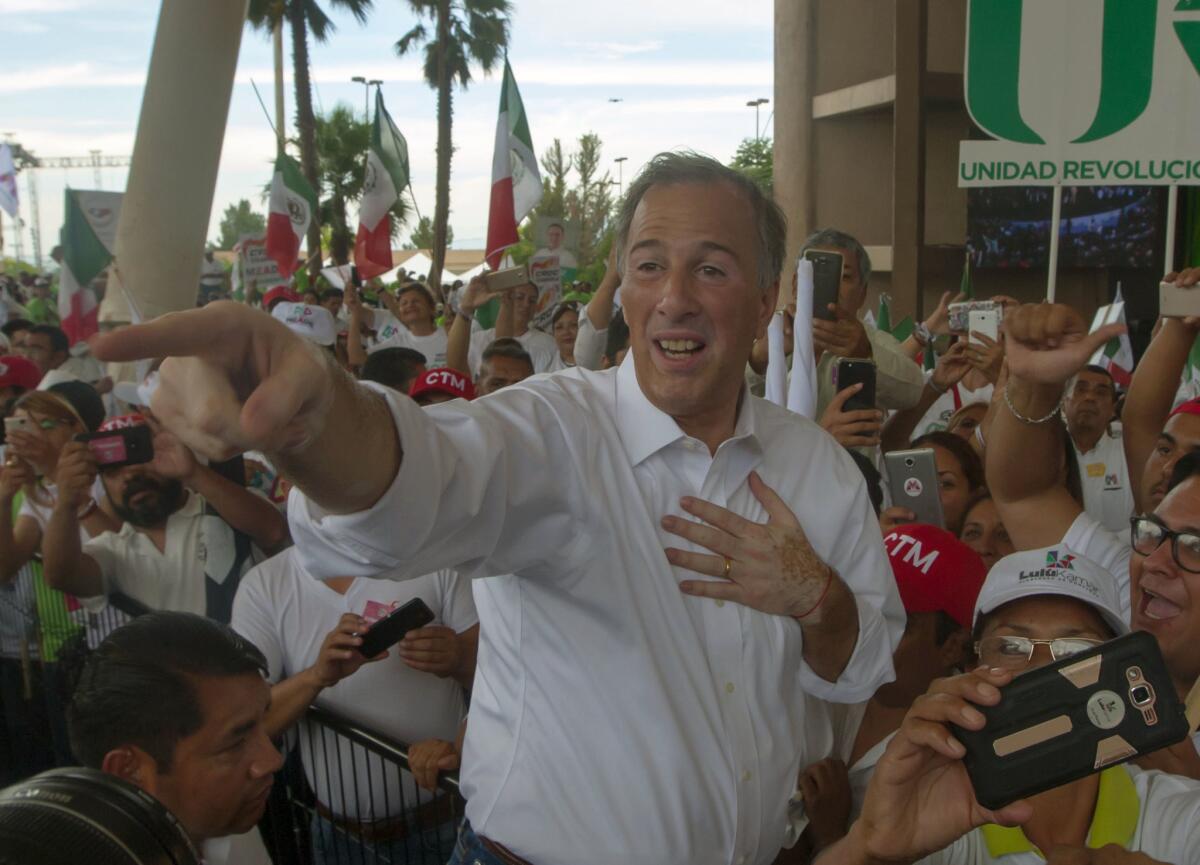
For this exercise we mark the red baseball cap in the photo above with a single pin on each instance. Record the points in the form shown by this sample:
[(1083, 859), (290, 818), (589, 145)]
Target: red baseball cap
[(443, 380), (123, 421), (279, 292), (18, 371), (1192, 406), (935, 571)]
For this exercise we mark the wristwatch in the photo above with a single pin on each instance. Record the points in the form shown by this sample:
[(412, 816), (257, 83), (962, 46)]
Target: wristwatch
[(922, 334)]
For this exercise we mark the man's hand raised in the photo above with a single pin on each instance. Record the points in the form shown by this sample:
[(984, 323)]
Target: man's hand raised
[(235, 379), (1047, 343)]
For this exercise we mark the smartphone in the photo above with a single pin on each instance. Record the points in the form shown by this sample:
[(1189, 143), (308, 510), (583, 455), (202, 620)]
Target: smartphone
[(847, 372), (1074, 717), (1177, 302), (391, 629), (985, 321), (128, 446), (17, 424), (959, 313), (913, 480), (506, 278), (827, 279)]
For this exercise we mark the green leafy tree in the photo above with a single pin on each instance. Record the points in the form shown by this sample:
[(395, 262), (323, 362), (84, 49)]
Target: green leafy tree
[(464, 32), (755, 159), (302, 17), (237, 220), (422, 235)]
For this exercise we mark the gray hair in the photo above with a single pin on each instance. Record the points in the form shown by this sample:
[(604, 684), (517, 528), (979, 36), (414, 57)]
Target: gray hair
[(689, 167), (826, 237)]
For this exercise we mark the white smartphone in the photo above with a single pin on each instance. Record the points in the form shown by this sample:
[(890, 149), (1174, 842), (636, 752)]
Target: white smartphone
[(986, 321), (1177, 302)]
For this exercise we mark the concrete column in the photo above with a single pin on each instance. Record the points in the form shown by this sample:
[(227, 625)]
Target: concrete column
[(168, 199), (908, 196), (793, 126)]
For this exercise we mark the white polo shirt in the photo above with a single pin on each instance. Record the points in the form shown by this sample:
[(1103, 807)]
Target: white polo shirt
[(287, 613), (393, 334), (541, 347), (1107, 493), (613, 718), (1144, 812)]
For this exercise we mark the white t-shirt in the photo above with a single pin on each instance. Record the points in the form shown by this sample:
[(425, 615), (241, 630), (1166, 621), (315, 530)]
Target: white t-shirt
[(244, 849), (433, 345), (1110, 551), (938, 415), (1107, 493), (541, 347), (1165, 826), (287, 613)]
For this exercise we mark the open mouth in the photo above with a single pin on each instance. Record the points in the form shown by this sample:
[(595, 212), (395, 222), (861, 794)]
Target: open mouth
[(679, 349), (1157, 608)]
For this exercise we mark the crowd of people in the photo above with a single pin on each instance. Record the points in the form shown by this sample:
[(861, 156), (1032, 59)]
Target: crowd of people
[(671, 621)]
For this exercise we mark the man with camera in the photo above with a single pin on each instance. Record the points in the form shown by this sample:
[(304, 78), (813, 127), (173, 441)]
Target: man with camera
[(188, 535)]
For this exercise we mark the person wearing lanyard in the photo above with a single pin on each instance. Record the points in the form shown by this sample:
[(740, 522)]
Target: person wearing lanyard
[(683, 561)]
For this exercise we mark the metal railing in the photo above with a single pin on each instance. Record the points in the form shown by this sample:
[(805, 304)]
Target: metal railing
[(345, 796)]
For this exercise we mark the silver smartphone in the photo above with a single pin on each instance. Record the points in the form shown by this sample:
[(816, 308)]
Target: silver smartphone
[(913, 480), (1177, 302)]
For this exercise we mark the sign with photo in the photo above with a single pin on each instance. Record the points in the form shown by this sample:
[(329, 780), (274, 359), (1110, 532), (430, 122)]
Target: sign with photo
[(553, 264), (255, 272)]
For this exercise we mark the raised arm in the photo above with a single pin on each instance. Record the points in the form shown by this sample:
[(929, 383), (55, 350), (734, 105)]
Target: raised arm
[(1046, 345), (599, 310), (950, 369), (18, 536), (1152, 390), (458, 341), (66, 566), (356, 352)]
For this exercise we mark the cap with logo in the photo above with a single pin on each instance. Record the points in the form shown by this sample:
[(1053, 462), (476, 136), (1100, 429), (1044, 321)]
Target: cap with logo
[(935, 571), (443, 380), (124, 421), (314, 323), (1054, 571), (279, 292), (83, 400), (137, 393), (19, 372)]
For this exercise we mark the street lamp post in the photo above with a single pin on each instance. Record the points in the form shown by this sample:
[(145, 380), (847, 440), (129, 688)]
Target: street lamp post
[(620, 160), (367, 85), (756, 104)]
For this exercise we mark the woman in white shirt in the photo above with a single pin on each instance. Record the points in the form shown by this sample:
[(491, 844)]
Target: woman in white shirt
[(565, 327)]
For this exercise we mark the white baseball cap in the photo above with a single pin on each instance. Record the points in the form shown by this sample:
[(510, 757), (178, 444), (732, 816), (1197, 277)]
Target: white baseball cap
[(314, 323), (1052, 571), (137, 393)]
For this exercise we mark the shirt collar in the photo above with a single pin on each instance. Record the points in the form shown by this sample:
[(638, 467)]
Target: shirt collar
[(1113, 822), (646, 429)]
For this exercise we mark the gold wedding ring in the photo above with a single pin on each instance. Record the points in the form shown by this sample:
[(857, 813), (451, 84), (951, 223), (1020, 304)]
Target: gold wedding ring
[(728, 566)]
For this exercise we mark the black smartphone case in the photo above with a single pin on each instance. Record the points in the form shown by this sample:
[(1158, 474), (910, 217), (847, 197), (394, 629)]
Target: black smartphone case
[(1065, 721), (848, 372), (391, 628), (827, 278)]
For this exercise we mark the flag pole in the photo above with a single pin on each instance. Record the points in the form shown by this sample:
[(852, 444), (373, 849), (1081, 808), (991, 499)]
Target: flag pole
[(1172, 210), (1055, 219)]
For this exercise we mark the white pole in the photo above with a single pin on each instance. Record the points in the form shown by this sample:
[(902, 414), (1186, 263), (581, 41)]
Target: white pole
[(280, 121), (1055, 219), (1172, 208)]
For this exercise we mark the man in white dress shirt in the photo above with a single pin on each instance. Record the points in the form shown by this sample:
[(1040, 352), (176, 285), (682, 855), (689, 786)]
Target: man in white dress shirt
[(639, 690)]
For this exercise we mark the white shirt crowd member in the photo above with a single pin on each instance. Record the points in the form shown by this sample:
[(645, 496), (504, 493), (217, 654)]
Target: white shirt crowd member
[(938, 415), (287, 613), (589, 343), (1107, 493), (542, 348), (611, 713), (393, 334)]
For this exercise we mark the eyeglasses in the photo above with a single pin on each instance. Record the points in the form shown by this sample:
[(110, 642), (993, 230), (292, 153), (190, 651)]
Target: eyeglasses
[(1016, 652), (1146, 534)]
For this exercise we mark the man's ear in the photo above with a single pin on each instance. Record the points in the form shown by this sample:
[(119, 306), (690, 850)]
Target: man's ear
[(132, 764)]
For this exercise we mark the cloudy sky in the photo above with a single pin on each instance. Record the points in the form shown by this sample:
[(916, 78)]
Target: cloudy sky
[(75, 69)]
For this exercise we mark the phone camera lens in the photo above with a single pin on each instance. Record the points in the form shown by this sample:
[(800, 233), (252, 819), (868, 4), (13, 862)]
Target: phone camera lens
[(1141, 695), (909, 463)]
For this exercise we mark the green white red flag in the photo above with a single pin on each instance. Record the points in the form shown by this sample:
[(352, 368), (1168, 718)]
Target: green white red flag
[(386, 179), (88, 238), (293, 204), (1117, 354), (516, 182)]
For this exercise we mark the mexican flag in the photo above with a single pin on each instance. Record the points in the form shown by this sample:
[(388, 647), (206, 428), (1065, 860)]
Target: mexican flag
[(293, 204), (386, 178), (1117, 354), (883, 319), (8, 182), (516, 183), (88, 238)]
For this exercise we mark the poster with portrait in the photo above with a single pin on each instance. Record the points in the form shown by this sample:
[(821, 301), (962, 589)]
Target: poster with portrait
[(553, 264)]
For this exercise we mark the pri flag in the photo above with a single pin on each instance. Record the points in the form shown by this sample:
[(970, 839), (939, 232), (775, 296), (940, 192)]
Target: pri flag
[(1117, 354), (8, 182), (516, 183), (293, 204), (386, 178), (88, 239)]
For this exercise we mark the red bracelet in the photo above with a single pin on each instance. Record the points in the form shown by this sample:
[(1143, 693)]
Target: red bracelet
[(820, 600)]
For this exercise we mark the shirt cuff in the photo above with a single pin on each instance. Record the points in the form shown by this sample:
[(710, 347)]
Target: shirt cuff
[(870, 664), (366, 543)]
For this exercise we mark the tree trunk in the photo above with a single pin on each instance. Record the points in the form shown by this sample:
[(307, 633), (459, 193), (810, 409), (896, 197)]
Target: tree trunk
[(306, 126), (339, 240), (441, 213)]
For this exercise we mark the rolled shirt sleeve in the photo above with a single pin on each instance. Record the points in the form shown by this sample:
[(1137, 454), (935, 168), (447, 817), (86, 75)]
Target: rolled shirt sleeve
[(589, 343)]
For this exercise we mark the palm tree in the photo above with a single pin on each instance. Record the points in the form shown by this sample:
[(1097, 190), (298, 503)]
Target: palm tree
[(301, 17), (342, 143), (465, 32)]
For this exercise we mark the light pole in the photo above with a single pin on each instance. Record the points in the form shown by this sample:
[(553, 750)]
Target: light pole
[(367, 85), (756, 104), (620, 160)]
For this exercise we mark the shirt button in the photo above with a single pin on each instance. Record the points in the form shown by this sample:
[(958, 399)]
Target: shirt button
[(729, 687), (741, 860), (747, 775)]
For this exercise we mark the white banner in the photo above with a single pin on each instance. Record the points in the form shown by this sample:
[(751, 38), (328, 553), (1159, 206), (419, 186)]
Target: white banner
[(257, 270)]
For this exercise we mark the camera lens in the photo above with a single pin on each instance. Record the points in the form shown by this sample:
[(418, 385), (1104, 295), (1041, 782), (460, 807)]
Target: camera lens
[(52, 818), (1140, 695), (909, 462)]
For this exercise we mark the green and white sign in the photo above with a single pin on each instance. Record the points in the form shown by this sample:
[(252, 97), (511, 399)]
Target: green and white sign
[(1083, 92)]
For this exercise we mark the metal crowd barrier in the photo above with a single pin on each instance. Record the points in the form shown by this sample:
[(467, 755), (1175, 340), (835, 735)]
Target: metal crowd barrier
[(345, 796)]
